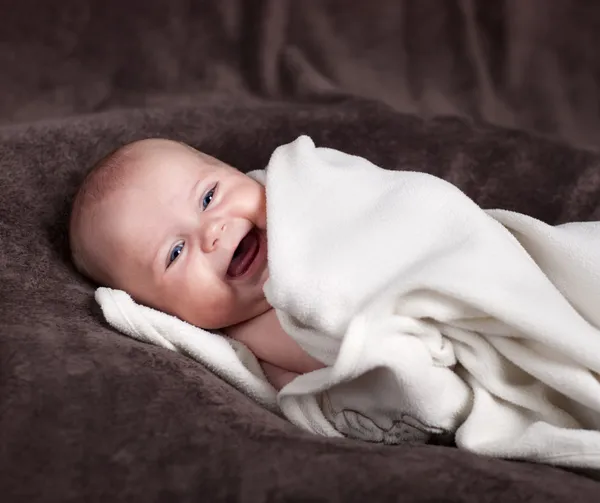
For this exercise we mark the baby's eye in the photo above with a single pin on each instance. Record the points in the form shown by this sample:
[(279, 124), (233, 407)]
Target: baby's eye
[(175, 252), (207, 199)]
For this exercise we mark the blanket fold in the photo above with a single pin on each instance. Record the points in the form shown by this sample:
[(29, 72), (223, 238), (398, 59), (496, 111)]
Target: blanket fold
[(433, 313), (229, 359), (434, 316)]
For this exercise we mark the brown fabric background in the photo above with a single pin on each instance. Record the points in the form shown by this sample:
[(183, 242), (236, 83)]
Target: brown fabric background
[(89, 415)]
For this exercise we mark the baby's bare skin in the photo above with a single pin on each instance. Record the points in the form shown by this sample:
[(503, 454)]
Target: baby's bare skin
[(186, 234)]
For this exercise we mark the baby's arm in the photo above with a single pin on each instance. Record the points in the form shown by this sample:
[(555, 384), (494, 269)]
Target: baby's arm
[(277, 376)]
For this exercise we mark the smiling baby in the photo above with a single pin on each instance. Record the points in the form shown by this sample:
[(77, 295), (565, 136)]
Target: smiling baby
[(184, 233)]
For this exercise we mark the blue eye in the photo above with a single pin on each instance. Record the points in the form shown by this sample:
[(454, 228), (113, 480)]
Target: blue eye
[(175, 252), (207, 199)]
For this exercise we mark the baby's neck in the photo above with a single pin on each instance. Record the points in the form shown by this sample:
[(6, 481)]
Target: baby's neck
[(265, 337)]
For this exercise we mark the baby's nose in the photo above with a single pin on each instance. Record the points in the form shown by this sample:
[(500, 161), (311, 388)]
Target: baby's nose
[(214, 232)]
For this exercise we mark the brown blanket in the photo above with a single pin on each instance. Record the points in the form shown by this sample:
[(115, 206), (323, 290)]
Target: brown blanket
[(89, 415)]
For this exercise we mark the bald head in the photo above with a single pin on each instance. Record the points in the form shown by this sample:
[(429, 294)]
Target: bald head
[(106, 176)]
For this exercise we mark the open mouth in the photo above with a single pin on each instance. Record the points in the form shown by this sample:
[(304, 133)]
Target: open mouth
[(244, 255)]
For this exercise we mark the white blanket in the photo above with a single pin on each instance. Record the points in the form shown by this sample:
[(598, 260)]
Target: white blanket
[(433, 315), (229, 359)]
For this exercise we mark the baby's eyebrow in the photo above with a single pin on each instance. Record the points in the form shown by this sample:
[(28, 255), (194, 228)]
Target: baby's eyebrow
[(195, 188), (159, 263), (159, 247)]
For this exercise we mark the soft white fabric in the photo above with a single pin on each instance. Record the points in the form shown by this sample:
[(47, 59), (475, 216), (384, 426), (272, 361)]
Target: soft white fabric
[(433, 315), (227, 358), (431, 312)]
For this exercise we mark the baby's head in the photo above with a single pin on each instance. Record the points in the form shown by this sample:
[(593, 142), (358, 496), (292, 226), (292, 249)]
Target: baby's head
[(177, 229)]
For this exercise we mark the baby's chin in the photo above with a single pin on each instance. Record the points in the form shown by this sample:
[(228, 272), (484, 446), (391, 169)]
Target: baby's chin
[(224, 320)]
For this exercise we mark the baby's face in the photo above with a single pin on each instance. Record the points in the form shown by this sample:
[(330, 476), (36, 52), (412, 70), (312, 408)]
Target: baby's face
[(187, 236)]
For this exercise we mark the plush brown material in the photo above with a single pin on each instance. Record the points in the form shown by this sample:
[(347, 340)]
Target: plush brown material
[(89, 415)]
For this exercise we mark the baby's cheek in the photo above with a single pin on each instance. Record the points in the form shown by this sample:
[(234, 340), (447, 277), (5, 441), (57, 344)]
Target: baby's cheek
[(261, 210), (261, 222), (220, 307), (198, 307)]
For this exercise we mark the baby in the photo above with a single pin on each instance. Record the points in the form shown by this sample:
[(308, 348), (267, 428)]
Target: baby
[(435, 318), (184, 233)]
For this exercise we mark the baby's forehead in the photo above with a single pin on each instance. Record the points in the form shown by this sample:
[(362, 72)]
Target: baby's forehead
[(162, 167), (169, 156), (165, 171)]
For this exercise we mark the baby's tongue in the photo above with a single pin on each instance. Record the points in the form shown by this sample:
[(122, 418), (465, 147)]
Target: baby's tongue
[(243, 256)]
